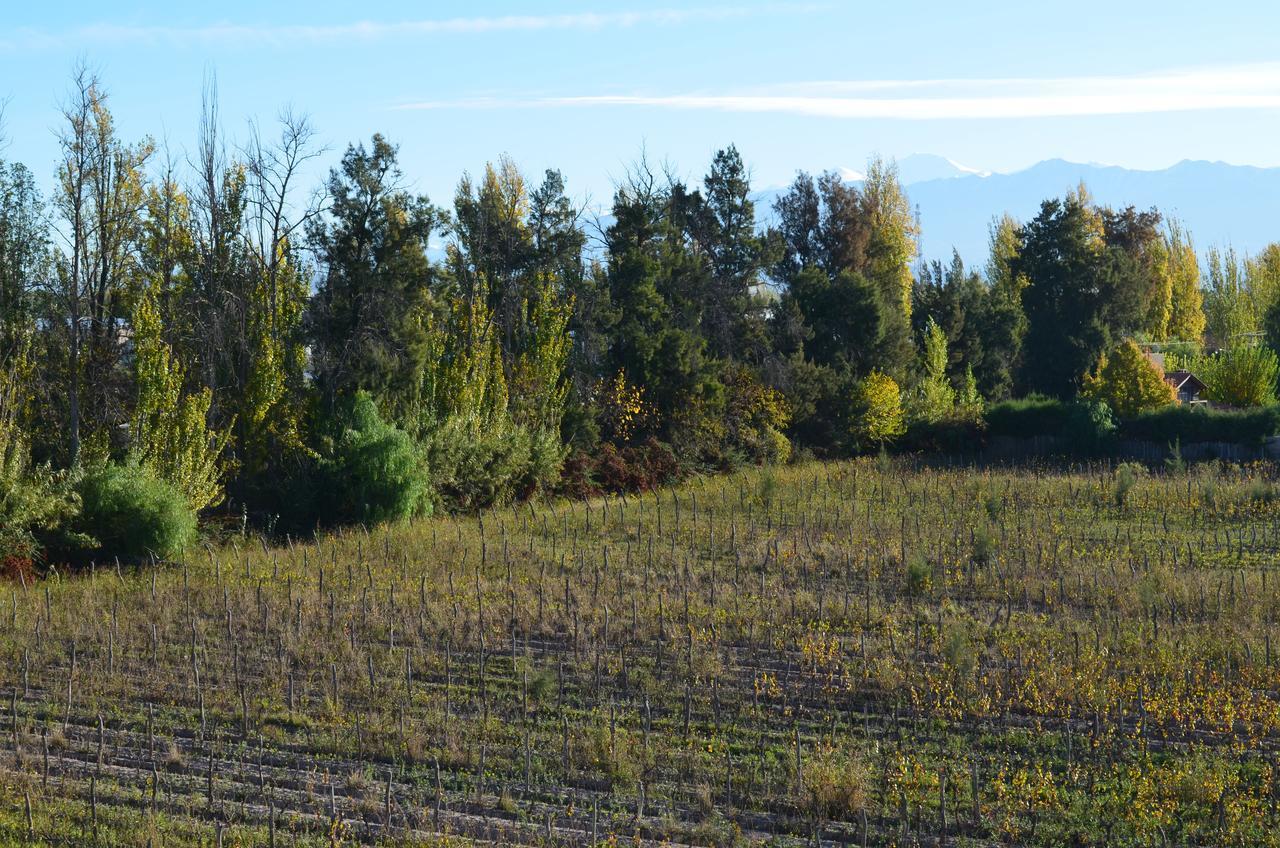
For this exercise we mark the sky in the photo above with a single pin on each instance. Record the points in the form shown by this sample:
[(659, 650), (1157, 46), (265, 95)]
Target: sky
[(587, 87)]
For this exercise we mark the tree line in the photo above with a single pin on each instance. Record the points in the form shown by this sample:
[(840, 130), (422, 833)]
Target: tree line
[(203, 335)]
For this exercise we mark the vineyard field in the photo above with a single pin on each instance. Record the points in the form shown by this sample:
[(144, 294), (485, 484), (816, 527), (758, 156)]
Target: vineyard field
[(871, 652)]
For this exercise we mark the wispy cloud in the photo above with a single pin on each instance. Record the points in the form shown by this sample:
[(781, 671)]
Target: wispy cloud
[(1233, 87), (276, 35)]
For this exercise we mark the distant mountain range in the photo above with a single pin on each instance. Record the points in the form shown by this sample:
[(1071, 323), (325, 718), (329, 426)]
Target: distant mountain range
[(1220, 204)]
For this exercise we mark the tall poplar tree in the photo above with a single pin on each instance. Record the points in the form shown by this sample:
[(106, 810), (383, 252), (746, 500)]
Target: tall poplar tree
[(891, 246), (101, 191), (1186, 300)]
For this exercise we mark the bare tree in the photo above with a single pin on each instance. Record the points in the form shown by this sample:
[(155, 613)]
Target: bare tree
[(274, 170), (246, 220), (73, 203), (99, 200), (209, 232)]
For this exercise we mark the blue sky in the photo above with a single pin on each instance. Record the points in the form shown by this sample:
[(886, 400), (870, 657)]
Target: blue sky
[(585, 86)]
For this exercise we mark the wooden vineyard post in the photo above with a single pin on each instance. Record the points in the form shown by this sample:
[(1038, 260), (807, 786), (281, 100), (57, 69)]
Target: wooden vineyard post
[(975, 787), (208, 786), (942, 807)]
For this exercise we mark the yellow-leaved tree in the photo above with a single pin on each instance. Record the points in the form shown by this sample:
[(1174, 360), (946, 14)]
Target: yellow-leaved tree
[(171, 435), (272, 406), (878, 403), (1128, 382), (933, 398), (539, 387), (1186, 300), (891, 246), (463, 381)]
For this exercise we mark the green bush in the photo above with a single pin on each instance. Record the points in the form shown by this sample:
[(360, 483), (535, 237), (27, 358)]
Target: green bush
[(1188, 425), (755, 418), (983, 546), (129, 513), (919, 576), (1243, 376), (820, 398), (1088, 426), (376, 472), (835, 784), (1126, 478), (1085, 425), (962, 431), (36, 504), (1037, 416), (1034, 415), (478, 468)]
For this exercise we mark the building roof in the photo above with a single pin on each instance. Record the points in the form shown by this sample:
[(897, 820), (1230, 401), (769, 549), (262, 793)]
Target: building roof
[(1184, 381)]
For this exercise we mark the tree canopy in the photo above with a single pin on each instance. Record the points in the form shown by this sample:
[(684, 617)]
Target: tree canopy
[(210, 323)]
